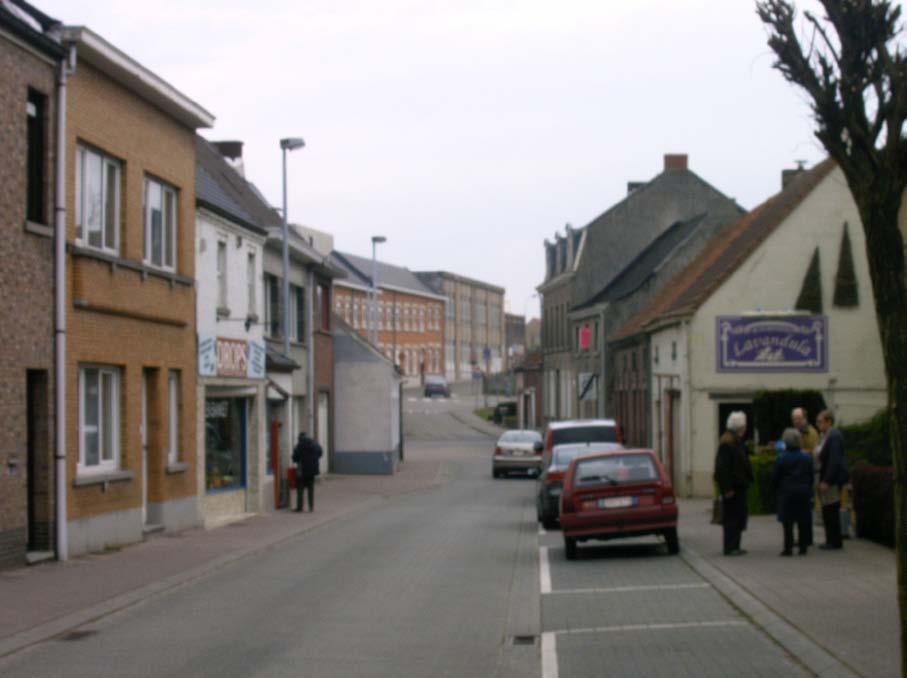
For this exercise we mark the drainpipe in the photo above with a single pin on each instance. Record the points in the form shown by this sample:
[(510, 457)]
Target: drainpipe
[(687, 395), (67, 68), (310, 353)]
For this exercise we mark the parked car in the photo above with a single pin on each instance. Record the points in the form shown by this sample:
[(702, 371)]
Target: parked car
[(581, 431), (517, 451), (436, 386), (502, 411), (548, 488), (614, 495)]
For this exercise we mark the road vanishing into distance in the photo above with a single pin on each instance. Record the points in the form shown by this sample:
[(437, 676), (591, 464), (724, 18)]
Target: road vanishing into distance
[(453, 580)]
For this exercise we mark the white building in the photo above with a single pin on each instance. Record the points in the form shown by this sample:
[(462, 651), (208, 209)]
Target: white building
[(728, 325)]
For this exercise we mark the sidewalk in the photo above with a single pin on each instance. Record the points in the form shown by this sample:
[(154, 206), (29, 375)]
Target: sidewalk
[(47, 600), (840, 607)]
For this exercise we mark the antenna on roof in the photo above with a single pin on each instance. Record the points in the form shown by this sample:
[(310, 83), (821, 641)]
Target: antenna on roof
[(801, 164)]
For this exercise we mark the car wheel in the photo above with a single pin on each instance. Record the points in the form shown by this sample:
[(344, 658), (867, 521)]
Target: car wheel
[(495, 473), (672, 541), (570, 548), (549, 523)]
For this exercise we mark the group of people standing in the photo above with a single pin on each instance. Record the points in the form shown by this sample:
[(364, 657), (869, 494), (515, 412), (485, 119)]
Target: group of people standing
[(811, 467)]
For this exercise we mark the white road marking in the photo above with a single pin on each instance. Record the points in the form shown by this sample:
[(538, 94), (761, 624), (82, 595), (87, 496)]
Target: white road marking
[(542, 530), (544, 570), (647, 627), (549, 655), (626, 589), (411, 399)]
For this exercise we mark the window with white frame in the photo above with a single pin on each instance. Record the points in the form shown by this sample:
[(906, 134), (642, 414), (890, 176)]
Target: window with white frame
[(173, 416), (160, 224), (97, 200), (356, 314), (99, 419), (221, 274), (250, 284)]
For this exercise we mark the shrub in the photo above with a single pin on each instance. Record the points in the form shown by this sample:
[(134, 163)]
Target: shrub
[(873, 502), (760, 498), (869, 441), (771, 410)]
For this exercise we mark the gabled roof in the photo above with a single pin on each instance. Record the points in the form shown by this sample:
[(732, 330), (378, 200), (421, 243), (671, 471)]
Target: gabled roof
[(725, 253), (360, 271), (645, 264), (225, 192), (33, 26)]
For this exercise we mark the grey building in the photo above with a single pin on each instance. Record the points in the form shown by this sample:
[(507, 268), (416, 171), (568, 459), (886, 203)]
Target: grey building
[(474, 335), (599, 275), (365, 381)]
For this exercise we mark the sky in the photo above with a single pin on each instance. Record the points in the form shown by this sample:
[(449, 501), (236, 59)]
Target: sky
[(469, 131)]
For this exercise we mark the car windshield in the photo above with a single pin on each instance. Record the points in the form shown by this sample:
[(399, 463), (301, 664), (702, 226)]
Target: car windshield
[(616, 470), (585, 434), (521, 437)]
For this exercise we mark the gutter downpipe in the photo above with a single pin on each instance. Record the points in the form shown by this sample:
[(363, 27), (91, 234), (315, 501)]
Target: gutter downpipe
[(310, 353), (67, 67), (688, 396)]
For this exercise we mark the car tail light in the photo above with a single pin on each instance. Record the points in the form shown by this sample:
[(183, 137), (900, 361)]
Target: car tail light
[(497, 451), (554, 477)]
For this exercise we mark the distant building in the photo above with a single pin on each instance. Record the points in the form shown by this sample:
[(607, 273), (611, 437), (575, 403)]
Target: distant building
[(475, 335), (515, 338), (534, 334)]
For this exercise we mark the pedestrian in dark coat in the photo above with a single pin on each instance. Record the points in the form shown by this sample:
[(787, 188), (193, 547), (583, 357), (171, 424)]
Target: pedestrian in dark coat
[(792, 478), (833, 475), (306, 455), (734, 475)]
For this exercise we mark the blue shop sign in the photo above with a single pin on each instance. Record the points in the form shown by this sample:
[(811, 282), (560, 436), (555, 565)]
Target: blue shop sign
[(772, 344)]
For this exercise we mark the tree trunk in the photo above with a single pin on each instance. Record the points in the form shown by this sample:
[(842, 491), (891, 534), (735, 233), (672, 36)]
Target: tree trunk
[(885, 250)]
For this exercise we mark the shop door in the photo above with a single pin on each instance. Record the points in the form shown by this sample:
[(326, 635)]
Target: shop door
[(37, 476), (324, 430), (672, 425)]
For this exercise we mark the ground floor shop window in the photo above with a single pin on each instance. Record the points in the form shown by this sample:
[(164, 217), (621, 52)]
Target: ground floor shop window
[(225, 444)]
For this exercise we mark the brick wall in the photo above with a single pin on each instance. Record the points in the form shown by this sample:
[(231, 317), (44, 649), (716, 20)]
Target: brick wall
[(121, 314), (26, 305)]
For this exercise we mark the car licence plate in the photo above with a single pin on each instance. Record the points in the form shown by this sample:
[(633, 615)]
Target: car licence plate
[(616, 502), (516, 453)]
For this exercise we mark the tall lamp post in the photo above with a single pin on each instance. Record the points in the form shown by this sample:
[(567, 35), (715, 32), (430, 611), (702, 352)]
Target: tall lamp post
[(288, 144), (373, 324)]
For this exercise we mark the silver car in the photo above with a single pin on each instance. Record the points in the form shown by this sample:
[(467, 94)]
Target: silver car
[(517, 450)]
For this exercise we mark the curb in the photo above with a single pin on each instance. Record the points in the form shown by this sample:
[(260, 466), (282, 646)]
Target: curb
[(801, 647), (491, 431), (57, 627)]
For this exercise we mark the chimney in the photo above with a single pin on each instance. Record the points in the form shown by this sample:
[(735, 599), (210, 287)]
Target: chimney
[(633, 185), (789, 175), (675, 162), (232, 153)]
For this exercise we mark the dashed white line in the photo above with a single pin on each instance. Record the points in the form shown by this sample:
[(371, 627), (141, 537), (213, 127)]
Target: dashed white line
[(544, 571), (626, 589), (542, 531), (549, 655), (645, 627)]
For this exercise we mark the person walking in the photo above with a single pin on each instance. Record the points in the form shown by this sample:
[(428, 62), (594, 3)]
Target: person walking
[(734, 475), (306, 455), (833, 475), (792, 478), (809, 443)]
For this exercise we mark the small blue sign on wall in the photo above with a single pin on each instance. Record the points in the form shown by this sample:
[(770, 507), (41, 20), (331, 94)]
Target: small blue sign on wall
[(772, 344)]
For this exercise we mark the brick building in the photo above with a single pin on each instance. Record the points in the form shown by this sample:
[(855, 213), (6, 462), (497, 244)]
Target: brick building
[(410, 316), (29, 59), (131, 384)]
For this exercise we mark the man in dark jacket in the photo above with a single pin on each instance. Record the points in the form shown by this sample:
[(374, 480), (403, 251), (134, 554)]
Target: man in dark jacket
[(734, 475), (833, 475), (306, 455), (792, 478)]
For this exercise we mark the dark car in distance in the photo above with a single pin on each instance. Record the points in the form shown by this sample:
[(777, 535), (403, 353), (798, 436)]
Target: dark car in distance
[(615, 495), (436, 386)]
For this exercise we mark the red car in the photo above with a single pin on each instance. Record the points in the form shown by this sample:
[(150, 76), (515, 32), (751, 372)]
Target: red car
[(618, 494)]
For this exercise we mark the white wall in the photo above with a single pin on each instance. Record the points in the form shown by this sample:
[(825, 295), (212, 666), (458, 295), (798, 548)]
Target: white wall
[(770, 280)]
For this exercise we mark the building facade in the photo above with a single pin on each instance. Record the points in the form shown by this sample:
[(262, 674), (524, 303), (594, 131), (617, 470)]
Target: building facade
[(474, 324), (408, 321), (732, 324), (30, 57), (131, 358), (514, 339)]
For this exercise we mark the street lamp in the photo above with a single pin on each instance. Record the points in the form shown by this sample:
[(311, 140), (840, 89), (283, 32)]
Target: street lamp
[(288, 144), (373, 329)]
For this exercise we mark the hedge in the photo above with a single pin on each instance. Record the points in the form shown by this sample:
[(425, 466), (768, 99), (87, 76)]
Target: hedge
[(869, 441), (771, 410), (760, 498), (873, 502)]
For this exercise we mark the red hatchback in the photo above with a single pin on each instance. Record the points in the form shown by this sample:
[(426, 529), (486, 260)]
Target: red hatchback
[(617, 494)]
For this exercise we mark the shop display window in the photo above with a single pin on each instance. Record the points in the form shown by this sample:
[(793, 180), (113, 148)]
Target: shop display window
[(225, 444)]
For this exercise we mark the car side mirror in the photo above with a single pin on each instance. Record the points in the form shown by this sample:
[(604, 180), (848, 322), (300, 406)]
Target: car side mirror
[(538, 447)]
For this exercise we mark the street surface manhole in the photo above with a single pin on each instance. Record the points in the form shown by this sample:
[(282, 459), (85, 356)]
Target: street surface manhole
[(524, 640), (78, 634)]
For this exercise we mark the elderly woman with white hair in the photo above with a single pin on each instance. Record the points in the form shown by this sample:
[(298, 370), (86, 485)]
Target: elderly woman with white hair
[(734, 475), (792, 478)]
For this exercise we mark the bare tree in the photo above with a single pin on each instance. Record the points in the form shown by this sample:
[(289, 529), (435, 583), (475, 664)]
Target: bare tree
[(854, 71)]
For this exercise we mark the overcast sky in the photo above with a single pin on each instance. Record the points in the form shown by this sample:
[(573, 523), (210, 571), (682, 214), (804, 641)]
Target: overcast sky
[(467, 131)]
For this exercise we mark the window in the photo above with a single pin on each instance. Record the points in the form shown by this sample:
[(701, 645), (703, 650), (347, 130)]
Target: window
[(221, 274), (324, 306), (173, 416), (99, 419), (673, 350), (250, 284), (298, 308), (272, 305), (36, 112), (97, 200), (160, 224), (421, 319)]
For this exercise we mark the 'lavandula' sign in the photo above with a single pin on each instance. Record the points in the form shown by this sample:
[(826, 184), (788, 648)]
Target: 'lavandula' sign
[(772, 344)]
